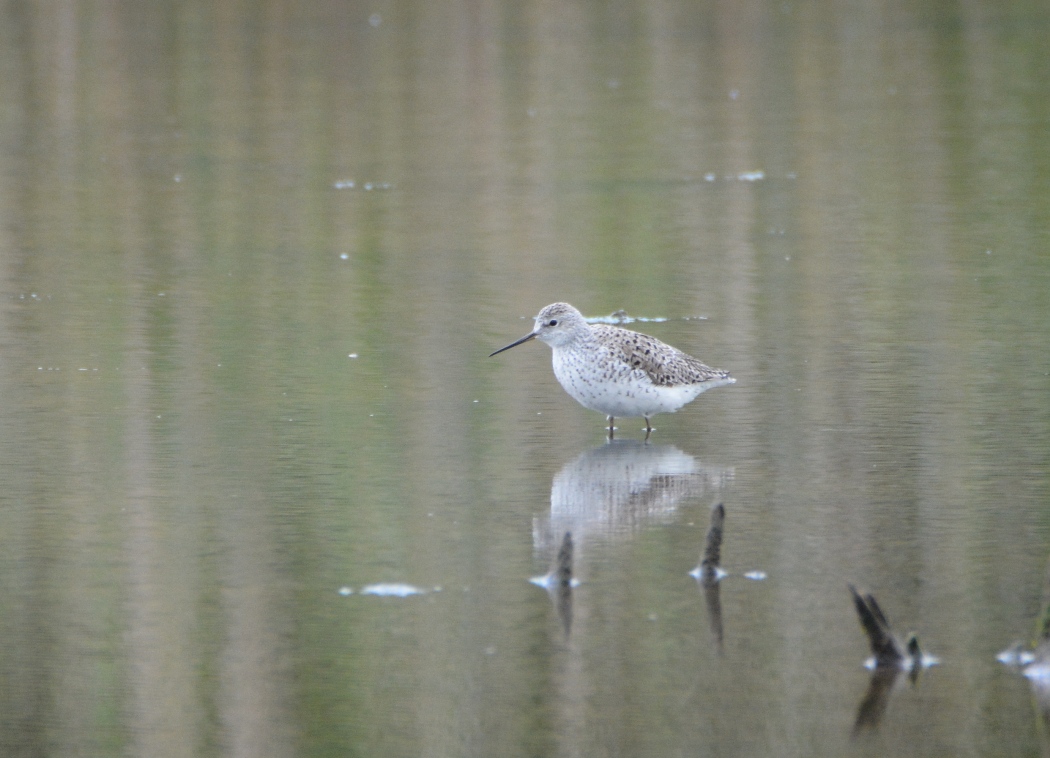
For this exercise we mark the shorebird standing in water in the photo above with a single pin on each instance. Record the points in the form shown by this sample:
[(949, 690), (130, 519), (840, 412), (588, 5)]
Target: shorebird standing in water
[(616, 371)]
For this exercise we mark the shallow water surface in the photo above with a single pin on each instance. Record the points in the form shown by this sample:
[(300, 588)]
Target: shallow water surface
[(264, 493)]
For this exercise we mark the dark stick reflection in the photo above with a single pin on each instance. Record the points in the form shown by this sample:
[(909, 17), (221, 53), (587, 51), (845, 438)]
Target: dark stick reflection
[(710, 574), (890, 658), (559, 582), (562, 589)]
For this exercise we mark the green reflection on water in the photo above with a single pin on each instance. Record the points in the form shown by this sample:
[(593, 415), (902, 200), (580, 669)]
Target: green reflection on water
[(194, 465)]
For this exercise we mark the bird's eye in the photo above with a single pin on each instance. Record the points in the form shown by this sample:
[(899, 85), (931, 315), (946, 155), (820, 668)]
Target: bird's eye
[(552, 322)]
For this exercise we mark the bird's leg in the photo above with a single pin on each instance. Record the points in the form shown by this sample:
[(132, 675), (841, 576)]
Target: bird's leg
[(611, 427), (648, 429)]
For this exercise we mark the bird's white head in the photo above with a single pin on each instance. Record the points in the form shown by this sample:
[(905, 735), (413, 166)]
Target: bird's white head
[(558, 324)]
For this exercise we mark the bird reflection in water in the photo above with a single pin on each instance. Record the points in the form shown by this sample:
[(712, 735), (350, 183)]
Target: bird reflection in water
[(889, 659), (608, 493), (611, 491)]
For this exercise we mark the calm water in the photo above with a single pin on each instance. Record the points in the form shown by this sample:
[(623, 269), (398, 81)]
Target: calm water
[(253, 258)]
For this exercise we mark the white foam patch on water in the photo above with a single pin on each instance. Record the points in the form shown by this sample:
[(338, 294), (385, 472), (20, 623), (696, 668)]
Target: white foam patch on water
[(1038, 671), (1015, 655), (698, 573), (755, 576), (929, 660), (550, 581), (925, 661), (392, 589), (343, 184), (622, 318)]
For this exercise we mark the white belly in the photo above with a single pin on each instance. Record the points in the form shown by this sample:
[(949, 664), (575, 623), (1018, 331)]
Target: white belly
[(616, 389)]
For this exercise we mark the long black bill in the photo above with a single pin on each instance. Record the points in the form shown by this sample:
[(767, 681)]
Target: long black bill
[(526, 338)]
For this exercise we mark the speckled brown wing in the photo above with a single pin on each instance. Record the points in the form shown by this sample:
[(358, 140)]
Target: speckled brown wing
[(665, 366)]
